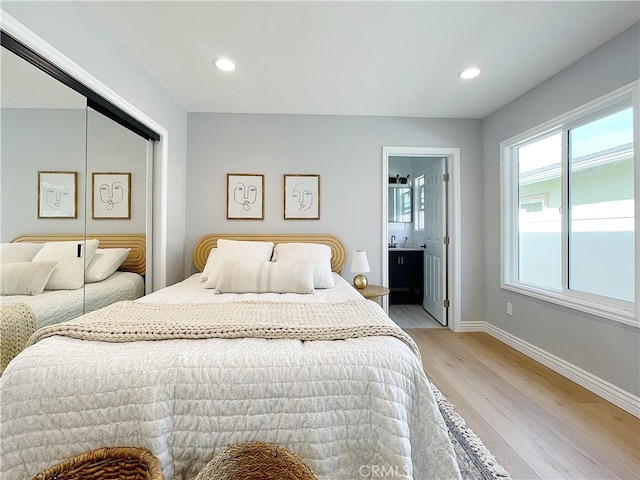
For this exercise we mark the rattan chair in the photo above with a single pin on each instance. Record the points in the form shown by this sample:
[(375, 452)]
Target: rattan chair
[(105, 464), (256, 461)]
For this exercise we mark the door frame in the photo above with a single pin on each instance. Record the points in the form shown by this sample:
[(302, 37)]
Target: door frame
[(454, 277)]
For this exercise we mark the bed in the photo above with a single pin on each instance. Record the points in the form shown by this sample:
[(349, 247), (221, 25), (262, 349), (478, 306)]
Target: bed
[(54, 306), (325, 374)]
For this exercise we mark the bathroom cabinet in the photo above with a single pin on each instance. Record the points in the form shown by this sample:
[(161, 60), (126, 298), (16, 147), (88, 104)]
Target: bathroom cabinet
[(406, 276)]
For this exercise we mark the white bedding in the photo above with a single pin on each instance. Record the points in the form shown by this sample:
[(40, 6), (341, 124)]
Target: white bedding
[(55, 306), (347, 407)]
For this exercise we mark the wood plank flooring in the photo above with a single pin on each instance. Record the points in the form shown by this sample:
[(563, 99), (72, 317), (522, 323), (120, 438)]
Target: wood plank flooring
[(538, 424)]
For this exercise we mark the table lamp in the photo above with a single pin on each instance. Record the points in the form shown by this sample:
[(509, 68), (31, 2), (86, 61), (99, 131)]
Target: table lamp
[(360, 265)]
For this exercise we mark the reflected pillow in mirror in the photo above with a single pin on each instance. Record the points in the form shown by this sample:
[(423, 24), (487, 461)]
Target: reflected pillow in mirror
[(19, 251), (317, 254), (104, 263), (69, 273), (25, 278), (264, 277)]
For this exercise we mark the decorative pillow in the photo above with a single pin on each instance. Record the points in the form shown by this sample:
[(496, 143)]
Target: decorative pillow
[(264, 277), (18, 252), (25, 278), (209, 265), (72, 257), (317, 254), (236, 251), (104, 263)]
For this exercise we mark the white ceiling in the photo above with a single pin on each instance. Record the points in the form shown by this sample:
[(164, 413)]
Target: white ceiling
[(358, 58)]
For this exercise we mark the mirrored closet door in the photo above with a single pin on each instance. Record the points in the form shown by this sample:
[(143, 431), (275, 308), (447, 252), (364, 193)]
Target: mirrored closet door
[(71, 169)]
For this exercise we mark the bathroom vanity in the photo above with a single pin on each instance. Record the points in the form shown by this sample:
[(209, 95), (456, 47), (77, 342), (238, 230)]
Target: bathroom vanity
[(406, 275)]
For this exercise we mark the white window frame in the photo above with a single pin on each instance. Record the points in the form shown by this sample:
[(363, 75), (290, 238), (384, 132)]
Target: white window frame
[(419, 222), (610, 308)]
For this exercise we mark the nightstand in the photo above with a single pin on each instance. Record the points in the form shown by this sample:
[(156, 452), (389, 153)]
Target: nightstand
[(373, 292)]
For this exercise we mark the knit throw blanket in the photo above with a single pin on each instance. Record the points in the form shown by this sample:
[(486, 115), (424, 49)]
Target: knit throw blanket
[(17, 324), (129, 321)]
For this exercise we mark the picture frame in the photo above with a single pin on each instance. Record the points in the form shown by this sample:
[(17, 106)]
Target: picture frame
[(57, 194), (301, 197), (111, 195), (245, 196)]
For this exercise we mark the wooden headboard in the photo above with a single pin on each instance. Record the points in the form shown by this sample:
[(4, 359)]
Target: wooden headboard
[(137, 242), (206, 243)]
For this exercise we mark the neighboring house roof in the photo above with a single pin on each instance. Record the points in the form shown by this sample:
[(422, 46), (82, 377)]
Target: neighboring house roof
[(585, 162)]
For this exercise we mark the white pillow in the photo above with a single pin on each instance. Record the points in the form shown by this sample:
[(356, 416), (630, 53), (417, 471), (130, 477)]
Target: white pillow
[(237, 251), (72, 257), (264, 277), (209, 265), (25, 278), (19, 251), (315, 253), (104, 263)]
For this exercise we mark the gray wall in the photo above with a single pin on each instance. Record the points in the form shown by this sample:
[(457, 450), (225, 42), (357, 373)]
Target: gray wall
[(604, 348), (33, 140), (59, 140), (70, 29), (347, 153)]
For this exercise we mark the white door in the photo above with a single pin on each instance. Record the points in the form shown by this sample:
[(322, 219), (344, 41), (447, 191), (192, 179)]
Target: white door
[(435, 230)]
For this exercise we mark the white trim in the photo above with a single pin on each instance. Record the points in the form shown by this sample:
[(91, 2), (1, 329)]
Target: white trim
[(159, 233), (616, 395), (454, 213), (592, 304), (610, 308), (572, 115), (635, 93), (475, 326)]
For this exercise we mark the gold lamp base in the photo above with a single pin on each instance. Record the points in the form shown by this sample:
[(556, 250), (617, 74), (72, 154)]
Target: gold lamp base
[(360, 281)]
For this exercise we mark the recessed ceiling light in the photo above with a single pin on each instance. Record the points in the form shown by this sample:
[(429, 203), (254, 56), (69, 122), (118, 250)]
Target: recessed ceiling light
[(469, 73), (224, 64)]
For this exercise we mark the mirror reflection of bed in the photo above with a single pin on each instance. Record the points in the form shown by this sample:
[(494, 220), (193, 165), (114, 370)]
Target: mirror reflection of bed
[(264, 341), (34, 297)]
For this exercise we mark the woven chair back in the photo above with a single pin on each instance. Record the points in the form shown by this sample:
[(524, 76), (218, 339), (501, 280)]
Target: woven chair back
[(106, 464), (256, 461)]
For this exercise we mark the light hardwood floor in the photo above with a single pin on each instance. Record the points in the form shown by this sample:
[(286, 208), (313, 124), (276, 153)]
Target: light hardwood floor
[(538, 424)]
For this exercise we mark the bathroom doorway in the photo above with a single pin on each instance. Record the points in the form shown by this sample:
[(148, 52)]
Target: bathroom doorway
[(420, 261)]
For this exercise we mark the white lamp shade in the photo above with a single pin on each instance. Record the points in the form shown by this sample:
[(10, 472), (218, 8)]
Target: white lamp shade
[(359, 262)]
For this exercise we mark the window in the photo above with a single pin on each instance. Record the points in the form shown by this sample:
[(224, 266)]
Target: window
[(419, 193), (568, 212)]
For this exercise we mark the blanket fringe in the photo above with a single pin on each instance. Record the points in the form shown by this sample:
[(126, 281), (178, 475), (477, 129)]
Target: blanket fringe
[(481, 451)]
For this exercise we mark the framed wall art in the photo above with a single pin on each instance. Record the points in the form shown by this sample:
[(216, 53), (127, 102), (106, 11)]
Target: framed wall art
[(57, 194), (245, 196), (301, 197), (111, 194)]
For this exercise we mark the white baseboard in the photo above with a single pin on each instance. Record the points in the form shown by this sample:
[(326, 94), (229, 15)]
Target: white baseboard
[(619, 397)]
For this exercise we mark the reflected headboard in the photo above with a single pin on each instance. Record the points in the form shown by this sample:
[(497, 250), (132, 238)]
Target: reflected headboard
[(137, 242), (206, 243)]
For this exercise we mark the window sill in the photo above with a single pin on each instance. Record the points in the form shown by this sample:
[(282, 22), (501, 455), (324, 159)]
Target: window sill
[(618, 311)]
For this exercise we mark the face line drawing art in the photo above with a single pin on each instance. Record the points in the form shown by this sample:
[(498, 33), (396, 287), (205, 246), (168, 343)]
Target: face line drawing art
[(56, 194), (244, 195), (111, 195), (304, 197)]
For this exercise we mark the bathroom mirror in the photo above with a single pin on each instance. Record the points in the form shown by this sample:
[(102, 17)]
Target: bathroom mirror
[(400, 204)]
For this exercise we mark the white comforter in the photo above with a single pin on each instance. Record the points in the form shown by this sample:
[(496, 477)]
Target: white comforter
[(348, 407), (55, 306)]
